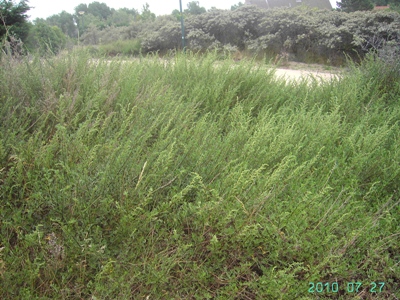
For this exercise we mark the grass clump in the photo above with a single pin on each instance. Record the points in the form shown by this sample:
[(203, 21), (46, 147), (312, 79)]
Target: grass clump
[(182, 180), (120, 47)]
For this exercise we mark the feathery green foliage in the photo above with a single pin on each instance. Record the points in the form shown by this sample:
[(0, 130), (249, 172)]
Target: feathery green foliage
[(195, 179)]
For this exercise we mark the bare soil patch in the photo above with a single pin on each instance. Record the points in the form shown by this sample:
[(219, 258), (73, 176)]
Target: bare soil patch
[(297, 71), (299, 74)]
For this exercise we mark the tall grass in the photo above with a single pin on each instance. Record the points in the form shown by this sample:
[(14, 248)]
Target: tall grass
[(182, 180)]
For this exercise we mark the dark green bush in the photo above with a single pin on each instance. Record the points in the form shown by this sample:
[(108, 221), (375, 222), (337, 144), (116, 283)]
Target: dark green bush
[(123, 47), (46, 39)]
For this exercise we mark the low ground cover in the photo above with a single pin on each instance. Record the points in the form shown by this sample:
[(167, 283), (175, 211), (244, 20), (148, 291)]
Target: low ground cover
[(179, 180)]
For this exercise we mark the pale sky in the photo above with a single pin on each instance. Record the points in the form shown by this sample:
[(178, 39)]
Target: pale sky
[(46, 8)]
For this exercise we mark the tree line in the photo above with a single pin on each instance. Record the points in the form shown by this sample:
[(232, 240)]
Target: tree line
[(301, 32)]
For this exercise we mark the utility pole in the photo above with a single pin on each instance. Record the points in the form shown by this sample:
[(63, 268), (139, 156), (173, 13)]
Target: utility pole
[(183, 28)]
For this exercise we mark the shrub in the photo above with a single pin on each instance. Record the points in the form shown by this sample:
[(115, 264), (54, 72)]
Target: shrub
[(46, 38), (124, 47), (161, 35), (184, 180)]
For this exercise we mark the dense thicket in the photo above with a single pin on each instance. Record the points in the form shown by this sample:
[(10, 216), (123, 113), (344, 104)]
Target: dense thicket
[(318, 35), (300, 33)]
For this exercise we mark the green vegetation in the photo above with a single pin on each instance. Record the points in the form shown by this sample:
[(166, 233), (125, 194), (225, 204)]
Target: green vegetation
[(355, 5), (236, 6), (14, 27), (193, 179), (46, 39), (13, 18), (300, 34), (124, 47), (305, 35)]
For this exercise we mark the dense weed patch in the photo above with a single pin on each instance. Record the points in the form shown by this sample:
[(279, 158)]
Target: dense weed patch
[(182, 180)]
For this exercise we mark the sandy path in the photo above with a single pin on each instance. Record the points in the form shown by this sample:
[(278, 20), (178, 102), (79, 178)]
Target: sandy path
[(288, 74), (299, 74)]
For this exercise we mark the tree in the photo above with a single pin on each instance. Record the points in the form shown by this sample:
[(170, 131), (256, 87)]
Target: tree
[(380, 2), (193, 8), (355, 5), (100, 10), (129, 11), (87, 20), (46, 38), (395, 5), (81, 7), (236, 6), (176, 14), (13, 19), (95, 14), (121, 17), (146, 14), (65, 21), (386, 2)]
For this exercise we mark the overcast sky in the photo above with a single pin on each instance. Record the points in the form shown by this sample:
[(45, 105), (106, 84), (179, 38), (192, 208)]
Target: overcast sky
[(46, 8)]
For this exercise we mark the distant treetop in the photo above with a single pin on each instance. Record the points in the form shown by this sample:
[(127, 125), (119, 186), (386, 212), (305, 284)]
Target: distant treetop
[(321, 4)]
